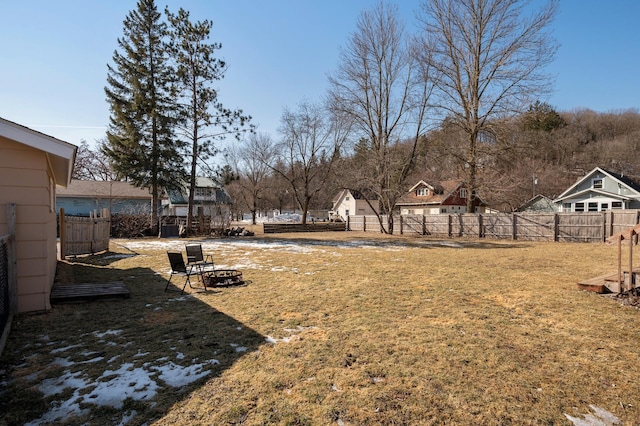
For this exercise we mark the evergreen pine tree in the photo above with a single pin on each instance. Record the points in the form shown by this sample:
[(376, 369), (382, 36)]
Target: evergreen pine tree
[(203, 118), (140, 137)]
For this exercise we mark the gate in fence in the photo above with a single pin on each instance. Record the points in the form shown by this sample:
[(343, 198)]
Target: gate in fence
[(84, 235)]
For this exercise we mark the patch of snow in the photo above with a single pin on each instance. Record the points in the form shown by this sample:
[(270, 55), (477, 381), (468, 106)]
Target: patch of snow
[(125, 382), (599, 417), (66, 348), (92, 360), (176, 375), (107, 333), (270, 339), (60, 411), (127, 417), (68, 380), (239, 348), (62, 362)]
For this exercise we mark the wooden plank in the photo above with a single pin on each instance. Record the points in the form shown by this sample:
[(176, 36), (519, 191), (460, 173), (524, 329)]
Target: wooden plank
[(88, 291)]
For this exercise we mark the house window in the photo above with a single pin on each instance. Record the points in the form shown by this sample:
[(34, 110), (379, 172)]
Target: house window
[(593, 207), (604, 206), (597, 183), (616, 205), (566, 207), (422, 192), (203, 192), (443, 210), (346, 198), (579, 207), (463, 193), (346, 212), (410, 211)]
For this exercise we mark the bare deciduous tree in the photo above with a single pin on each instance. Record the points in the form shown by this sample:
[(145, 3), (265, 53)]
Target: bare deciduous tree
[(378, 85), (92, 164), (489, 56), (312, 138), (250, 166)]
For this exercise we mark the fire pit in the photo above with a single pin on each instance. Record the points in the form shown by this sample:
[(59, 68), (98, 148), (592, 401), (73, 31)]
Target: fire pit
[(223, 278)]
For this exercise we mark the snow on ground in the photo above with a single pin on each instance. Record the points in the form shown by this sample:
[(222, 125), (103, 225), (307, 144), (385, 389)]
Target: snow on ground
[(599, 417), (133, 378), (142, 381), (139, 382)]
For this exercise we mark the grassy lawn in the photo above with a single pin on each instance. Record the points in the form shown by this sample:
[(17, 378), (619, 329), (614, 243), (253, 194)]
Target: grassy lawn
[(334, 328)]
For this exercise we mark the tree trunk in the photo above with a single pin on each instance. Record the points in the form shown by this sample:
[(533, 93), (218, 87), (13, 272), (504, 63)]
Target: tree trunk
[(472, 170)]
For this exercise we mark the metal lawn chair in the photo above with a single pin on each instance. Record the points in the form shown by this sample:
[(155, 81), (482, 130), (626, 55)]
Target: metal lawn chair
[(178, 267), (198, 260)]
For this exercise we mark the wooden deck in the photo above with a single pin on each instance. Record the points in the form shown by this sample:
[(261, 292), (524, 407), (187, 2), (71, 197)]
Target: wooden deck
[(601, 284), (609, 283), (81, 292)]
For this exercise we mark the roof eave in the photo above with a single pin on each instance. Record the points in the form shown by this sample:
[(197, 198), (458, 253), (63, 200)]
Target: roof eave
[(61, 155)]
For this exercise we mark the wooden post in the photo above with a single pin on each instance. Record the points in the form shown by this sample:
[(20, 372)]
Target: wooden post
[(610, 223), (364, 223), (631, 235), (424, 224), (62, 235), (347, 224), (514, 228), (401, 229), (92, 225), (604, 227), (556, 227), (620, 262), (450, 225), (480, 226)]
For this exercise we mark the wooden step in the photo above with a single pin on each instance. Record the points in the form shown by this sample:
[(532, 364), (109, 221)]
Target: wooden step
[(603, 284), (61, 293)]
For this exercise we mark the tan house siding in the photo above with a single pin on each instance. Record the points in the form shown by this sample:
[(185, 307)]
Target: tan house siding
[(26, 179)]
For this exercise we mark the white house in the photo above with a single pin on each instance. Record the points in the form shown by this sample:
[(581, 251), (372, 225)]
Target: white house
[(600, 190), (347, 203)]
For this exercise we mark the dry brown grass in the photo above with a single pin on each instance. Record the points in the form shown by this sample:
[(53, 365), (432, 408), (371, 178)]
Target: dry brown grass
[(397, 330)]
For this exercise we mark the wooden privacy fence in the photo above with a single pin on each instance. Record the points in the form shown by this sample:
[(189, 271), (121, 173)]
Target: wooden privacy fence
[(567, 227), (272, 228), (84, 235)]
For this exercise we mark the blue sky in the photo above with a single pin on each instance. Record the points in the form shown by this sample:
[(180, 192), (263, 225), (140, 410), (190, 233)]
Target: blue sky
[(54, 56)]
